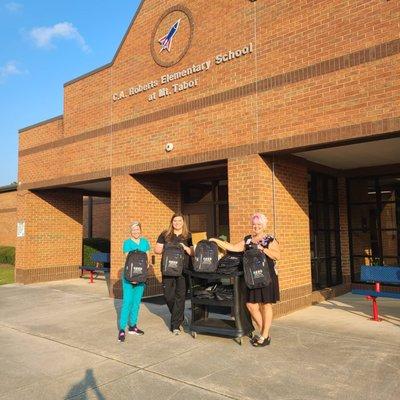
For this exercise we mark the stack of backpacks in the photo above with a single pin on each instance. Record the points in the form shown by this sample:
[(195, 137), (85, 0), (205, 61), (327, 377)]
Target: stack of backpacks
[(214, 291), (206, 259), (255, 264)]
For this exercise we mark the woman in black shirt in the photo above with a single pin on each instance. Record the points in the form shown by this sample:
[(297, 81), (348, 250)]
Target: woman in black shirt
[(175, 286)]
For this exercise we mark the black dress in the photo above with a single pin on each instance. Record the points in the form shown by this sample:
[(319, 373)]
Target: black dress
[(267, 294)]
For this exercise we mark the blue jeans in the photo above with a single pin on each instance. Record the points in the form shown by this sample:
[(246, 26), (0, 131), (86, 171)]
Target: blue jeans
[(131, 298)]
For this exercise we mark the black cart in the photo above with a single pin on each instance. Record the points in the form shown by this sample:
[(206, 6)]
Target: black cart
[(237, 322)]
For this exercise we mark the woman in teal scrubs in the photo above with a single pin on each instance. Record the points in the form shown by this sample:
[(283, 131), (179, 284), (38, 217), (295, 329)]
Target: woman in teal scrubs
[(132, 292)]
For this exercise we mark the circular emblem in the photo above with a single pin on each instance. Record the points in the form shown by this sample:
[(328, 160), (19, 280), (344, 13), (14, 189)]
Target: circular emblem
[(172, 36)]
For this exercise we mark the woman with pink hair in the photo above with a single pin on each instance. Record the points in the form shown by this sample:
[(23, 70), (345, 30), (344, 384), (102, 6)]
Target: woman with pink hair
[(259, 301)]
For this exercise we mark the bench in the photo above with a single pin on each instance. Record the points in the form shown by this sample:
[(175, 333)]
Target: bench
[(378, 275), (102, 265)]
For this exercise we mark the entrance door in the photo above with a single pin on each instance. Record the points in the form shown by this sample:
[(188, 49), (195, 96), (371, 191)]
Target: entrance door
[(199, 218), (205, 205)]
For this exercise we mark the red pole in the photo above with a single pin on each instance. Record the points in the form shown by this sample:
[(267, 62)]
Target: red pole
[(375, 312), (91, 277)]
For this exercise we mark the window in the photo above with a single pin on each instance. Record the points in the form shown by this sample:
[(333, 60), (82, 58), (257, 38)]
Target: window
[(324, 231), (374, 222)]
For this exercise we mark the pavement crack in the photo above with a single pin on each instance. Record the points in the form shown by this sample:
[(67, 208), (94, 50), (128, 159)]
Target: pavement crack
[(100, 385), (69, 345), (193, 385)]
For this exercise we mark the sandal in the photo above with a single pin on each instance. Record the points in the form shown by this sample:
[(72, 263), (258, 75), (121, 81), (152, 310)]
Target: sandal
[(254, 339), (264, 343)]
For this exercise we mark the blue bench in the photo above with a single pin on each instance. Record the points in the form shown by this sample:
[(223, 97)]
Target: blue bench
[(378, 275), (102, 265)]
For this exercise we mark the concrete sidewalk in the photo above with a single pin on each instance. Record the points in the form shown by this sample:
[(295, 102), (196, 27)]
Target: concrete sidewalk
[(59, 341)]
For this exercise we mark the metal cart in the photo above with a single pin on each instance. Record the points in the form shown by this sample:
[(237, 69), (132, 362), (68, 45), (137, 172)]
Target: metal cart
[(238, 323)]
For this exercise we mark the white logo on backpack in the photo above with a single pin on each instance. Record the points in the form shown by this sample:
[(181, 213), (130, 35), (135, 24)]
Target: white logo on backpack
[(258, 273)]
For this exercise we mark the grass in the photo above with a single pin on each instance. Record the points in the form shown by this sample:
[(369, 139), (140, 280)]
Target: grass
[(6, 274)]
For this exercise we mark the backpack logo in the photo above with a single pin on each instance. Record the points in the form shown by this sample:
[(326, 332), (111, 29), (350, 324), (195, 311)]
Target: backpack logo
[(258, 273), (136, 270), (172, 264)]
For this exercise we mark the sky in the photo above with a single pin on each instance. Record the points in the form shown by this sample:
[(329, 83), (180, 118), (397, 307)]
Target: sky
[(43, 44)]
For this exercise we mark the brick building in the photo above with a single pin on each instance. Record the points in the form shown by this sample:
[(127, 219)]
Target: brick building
[(95, 217), (288, 108)]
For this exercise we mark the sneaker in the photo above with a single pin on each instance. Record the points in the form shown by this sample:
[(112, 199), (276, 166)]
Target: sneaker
[(176, 332), (121, 336), (134, 330)]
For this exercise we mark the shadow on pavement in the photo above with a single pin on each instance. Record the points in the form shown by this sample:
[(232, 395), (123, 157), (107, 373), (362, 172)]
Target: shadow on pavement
[(80, 389), (360, 311)]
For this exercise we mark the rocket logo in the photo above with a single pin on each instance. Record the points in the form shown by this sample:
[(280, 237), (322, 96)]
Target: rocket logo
[(166, 41), (176, 25)]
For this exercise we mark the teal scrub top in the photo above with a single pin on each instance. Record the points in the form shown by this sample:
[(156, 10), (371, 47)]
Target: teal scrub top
[(130, 245)]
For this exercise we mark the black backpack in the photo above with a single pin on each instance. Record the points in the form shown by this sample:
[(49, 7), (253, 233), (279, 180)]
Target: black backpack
[(136, 266), (205, 257), (256, 269), (173, 260), (231, 260)]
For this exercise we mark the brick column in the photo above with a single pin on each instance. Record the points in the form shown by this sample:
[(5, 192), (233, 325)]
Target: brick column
[(8, 216), (52, 246), (252, 187), (152, 201)]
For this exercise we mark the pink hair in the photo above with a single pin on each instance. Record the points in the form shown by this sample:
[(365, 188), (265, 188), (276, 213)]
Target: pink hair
[(259, 218)]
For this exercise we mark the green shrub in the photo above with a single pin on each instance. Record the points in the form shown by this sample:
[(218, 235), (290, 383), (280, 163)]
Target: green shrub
[(7, 255), (6, 275), (94, 245)]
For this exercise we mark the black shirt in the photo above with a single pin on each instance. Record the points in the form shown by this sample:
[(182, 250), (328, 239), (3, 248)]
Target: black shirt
[(176, 239)]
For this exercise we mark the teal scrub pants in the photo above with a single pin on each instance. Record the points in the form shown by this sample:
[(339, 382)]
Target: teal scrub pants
[(131, 298)]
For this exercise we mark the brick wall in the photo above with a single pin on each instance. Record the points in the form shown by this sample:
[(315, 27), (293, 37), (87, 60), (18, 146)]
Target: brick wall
[(52, 246), (8, 218), (101, 217), (315, 64), (253, 182), (150, 200)]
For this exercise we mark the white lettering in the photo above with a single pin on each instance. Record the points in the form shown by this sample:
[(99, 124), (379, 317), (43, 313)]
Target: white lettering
[(231, 55), (194, 69), (179, 87)]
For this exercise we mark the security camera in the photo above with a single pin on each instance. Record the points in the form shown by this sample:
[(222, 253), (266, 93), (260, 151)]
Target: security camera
[(169, 147)]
